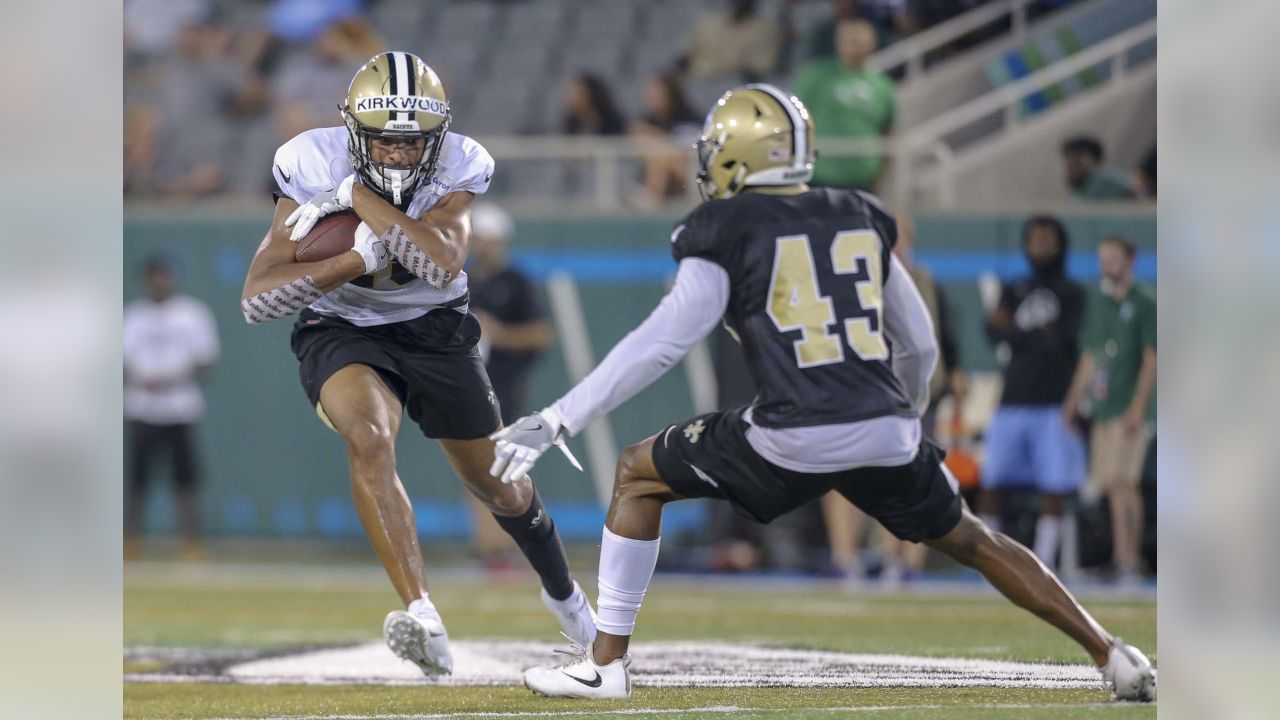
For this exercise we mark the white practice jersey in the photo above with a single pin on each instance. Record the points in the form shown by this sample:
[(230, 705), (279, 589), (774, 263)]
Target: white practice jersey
[(317, 160), (165, 345)]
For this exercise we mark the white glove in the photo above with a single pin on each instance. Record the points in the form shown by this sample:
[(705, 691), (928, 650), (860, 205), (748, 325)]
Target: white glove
[(520, 444), (371, 248), (320, 204)]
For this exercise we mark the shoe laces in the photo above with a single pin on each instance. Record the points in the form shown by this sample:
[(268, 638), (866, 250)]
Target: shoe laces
[(573, 654), (576, 653)]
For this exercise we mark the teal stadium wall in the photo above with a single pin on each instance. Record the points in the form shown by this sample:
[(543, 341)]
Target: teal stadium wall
[(272, 469)]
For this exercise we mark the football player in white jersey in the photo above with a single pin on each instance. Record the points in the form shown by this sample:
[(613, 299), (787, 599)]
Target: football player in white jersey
[(841, 347), (386, 328)]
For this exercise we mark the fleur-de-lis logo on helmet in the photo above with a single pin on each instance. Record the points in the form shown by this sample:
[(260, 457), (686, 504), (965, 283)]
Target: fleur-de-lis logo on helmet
[(754, 135)]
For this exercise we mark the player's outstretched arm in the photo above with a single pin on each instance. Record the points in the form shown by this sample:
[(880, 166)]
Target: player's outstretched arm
[(277, 285), (433, 247)]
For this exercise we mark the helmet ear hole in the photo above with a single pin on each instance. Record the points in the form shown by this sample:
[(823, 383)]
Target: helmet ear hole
[(728, 164)]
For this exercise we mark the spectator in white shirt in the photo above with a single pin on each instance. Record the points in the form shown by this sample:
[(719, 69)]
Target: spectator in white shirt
[(170, 342)]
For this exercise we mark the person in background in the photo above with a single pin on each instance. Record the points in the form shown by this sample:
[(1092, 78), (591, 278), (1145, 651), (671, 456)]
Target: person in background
[(1088, 178), (178, 134), (589, 108), (1117, 375), (1038, 321), (821, 44), (1146, 173), (948, 377), (668, 120), (848, 100), (515, 333), (902, 560), (325, 39), (170, 342), (735, 44)]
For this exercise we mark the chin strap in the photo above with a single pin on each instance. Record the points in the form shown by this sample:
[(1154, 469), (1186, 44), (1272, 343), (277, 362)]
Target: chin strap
[(413, 259), (396, 186)]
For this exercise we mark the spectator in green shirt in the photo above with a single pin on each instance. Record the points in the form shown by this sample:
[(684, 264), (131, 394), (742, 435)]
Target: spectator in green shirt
[(846, 99), (1088, 178), (1117, 375), (821, 42)]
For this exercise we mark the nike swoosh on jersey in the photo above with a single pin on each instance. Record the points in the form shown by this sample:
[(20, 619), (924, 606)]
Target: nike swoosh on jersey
[(536, 427), (283, 174), (589, 683)]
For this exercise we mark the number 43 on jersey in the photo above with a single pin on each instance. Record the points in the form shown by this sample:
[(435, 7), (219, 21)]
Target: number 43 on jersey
[(796, 303)]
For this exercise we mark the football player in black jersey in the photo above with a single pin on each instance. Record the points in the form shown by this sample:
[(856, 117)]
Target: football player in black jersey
[(841, 348)]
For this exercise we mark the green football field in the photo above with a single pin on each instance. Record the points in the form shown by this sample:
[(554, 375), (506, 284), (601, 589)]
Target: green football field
[(234, 640)]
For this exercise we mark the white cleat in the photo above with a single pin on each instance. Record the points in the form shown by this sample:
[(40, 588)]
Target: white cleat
[(1128, 674), (420, 640), (581, 677), (576, 617)]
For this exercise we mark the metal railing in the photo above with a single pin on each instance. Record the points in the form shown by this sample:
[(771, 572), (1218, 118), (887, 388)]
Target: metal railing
[(929, 138), (614, 160), (911, 52)]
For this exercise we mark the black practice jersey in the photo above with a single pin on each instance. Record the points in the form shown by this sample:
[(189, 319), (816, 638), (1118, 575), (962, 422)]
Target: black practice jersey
[(806, 275)]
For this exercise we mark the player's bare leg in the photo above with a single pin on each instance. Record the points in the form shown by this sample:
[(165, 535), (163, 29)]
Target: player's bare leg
[(471, 460), (488, 541), (519, 512), (628, 554), (1017, 573), (635, 513), (366, 413)]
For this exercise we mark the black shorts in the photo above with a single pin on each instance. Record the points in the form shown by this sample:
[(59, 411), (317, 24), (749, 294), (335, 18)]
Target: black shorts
[(709, 456), (431, 363)]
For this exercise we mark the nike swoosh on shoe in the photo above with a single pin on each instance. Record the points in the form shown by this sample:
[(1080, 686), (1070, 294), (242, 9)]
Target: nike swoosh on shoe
[(589, 683)]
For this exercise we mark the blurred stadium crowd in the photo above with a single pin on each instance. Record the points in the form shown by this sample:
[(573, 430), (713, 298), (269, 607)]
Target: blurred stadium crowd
[(213, 86)]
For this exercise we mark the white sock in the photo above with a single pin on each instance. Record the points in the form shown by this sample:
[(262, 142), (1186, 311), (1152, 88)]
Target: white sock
[(423, 607), (626, 567), (573, 602), (1048, 530), (991, 521)]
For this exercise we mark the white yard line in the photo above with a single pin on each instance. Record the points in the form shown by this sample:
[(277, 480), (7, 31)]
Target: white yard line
[(656, 664)]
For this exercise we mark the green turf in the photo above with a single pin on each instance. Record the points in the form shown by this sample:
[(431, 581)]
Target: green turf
[(146, 701), (226, 607)]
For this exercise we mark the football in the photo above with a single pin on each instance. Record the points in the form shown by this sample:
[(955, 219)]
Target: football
[(333, 235)]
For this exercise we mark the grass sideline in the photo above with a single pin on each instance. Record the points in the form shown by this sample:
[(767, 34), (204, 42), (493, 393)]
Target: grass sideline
[(232, 607), (144, 701)]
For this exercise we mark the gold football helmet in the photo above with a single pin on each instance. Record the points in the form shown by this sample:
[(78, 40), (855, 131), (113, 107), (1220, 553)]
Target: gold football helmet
[(755, 135), (395, 96)]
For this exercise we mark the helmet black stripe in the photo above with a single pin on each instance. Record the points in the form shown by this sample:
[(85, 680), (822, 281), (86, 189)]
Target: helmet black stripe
[(393, 73), (411, 75)]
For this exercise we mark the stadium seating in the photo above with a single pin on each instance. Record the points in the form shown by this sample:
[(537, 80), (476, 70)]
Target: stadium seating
[(487, 50)]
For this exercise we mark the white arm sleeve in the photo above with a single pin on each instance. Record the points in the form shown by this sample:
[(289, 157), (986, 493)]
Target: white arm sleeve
[(907, 322), (687, 313)]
